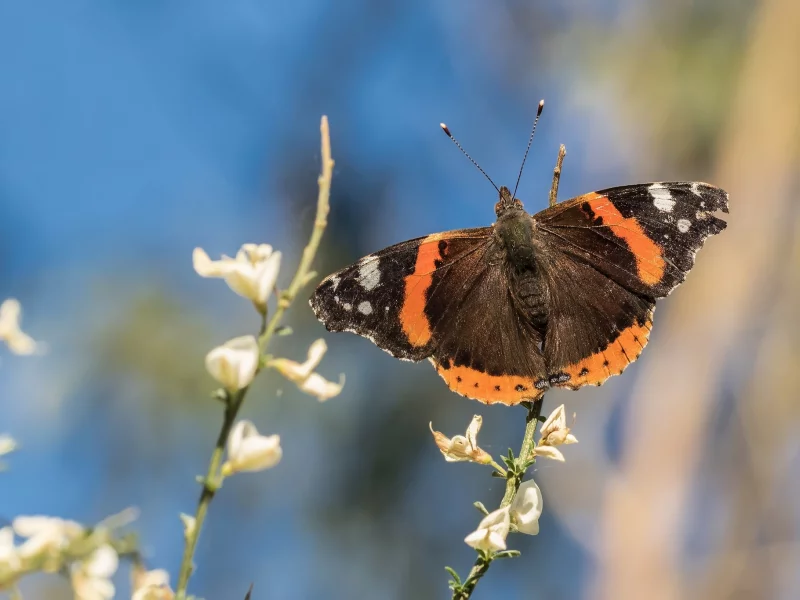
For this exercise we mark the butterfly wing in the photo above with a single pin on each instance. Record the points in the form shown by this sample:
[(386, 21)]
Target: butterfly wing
[(610, 254), (442, 297)]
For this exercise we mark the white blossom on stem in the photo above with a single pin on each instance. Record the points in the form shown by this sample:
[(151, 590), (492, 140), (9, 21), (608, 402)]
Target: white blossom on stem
[(151, 585), (490, 536), (304, 376), (17, 341), (250, 451), (554, 432), (252, 274), (45, 535), (7, 444), (462, 447), (234, 364), (526, 508), (91, 578)]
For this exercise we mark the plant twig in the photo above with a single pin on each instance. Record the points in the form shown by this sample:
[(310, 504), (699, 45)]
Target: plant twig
[(323, 207), (562, 152), (233, 402), (463, 591)]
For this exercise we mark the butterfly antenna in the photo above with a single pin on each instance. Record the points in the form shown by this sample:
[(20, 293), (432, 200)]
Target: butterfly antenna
[(530, 139), (455, 141)]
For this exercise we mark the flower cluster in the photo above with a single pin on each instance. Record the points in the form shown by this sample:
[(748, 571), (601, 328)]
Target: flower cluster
[(554, 432), (151, 585), (52, 545), (253, 275), (522, 512)]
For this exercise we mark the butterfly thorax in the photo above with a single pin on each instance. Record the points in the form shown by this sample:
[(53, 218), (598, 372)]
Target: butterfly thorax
[(514, 234)]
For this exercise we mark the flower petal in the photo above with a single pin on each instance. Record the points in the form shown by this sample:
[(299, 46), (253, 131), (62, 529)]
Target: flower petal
[(267, 276), (557, 420), (473, 429), (102, 563), (234, 364), (242, 430), (205, 267), (316, 385), (549, 452), (527, 507), (258, 453)]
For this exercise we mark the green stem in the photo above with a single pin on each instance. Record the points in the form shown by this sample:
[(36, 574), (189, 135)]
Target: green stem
[(481, 566), (525, 451), (211, 484), (213, 479)]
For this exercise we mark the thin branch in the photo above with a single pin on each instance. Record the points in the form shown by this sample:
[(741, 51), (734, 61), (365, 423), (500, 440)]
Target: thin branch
[(233, 402), (562, 152), (301, 278)]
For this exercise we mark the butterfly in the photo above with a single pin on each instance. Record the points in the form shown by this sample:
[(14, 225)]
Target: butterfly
[(563, 298)]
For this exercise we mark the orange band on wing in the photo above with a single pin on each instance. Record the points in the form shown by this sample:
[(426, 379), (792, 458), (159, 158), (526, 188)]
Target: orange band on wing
[(412, 316), (612, 359), (489, 389), (649, 258)]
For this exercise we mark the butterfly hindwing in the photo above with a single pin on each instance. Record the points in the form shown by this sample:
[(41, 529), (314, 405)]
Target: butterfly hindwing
[(485, 347)]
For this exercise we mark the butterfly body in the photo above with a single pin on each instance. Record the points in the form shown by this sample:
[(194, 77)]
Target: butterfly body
[(562, 298)]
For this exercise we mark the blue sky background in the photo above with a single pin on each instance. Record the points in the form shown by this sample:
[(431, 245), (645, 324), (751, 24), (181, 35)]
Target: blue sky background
[(132, 132)]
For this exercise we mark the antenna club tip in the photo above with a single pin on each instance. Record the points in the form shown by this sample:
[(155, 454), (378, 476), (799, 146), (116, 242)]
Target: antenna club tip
[(541, 106), (445, 129)]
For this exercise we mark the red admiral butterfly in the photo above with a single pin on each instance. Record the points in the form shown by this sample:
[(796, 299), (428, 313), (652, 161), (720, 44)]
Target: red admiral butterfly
[(562, 298)]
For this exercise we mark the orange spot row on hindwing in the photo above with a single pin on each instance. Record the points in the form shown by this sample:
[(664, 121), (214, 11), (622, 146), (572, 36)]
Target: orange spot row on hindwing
[(490, 389), (612, 359)]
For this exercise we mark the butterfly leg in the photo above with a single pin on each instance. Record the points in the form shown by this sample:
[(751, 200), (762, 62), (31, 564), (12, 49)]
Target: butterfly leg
[(562, 152)]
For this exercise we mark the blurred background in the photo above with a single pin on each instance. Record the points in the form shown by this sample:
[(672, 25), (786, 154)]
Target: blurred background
[(132, 132)]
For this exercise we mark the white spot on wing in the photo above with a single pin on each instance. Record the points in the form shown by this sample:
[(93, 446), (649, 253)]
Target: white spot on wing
[(696, 189), (347, 306), (365, 308), (369, 276), (684, 225), (662, 199), (335, 279)]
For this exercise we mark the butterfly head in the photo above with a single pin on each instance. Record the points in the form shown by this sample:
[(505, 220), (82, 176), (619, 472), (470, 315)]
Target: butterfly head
[(507, 203)]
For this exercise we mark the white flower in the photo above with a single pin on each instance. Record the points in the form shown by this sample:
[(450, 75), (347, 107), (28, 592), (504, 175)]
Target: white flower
[(302, 374), (297, 372), (9, 558), (234, 364), (45, 534), (527, 508), (554, 432), (16, 340), (252, 274), (492, 531), (460, 447), (250, 451), (316, 385), (151, 585), (91, 578), (7, 444)]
